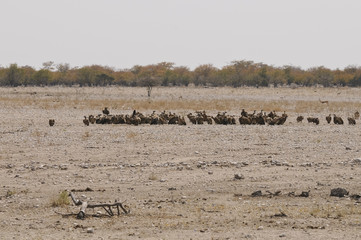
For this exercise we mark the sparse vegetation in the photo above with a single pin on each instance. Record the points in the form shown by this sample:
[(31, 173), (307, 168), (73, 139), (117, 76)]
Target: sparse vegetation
[(237, 74), (61, 200), (153, 177), (131, 135), (179, 180), (10, 193)]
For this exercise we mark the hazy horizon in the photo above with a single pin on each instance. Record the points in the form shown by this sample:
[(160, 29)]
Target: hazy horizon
[(122, 34)]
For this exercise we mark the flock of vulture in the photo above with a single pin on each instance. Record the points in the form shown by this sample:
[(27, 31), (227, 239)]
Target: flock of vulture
[(200, 117), (336, 119)]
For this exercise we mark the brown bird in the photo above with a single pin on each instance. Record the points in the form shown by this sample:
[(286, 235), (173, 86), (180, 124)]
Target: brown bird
[(86, 121), (337, 120), (92, 119), (351, 121), (328, 118), (106, 111), (357, 115), (51, 122)]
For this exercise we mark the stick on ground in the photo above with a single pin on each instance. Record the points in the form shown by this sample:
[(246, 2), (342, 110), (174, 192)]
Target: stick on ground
[(107, 207)]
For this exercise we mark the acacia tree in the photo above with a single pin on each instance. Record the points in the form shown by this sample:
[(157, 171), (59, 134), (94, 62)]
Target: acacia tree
[(204, 74), (49, 65), (85, 76), (28, 73), (13, 76), (103, 79), (42, 77), (322, 75)]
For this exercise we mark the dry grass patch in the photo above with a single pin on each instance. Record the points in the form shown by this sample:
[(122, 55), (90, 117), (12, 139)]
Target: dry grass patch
[(86, 135), (153, 177), (131, 135), (61, 200)]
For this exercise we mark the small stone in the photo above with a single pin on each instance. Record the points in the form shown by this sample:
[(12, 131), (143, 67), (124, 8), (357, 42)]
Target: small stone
[(305, 194), (257, 193), (339, 192), (90, 230), (63, 167), (238, 176), (210, 172), (260, 228), (282, 235), (356, 161)]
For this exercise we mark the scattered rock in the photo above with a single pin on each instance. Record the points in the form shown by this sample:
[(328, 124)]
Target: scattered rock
[(281, 214), (257, 193), (277, 193), (356, 161), (238, 176), (90, 230), (338, 192), (355, 196), (63, 167), (304, 194)]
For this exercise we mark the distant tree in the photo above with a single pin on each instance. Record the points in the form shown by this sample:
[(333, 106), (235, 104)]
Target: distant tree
[(356, 80), (28, 73), (263, 76), (178, 76), (13, 76), (49, 65), (123, 77), (42, 77), (242, 72), (103, 79), (204, 74), (63, 67), (277, 76), (322, 75), (86, 76)]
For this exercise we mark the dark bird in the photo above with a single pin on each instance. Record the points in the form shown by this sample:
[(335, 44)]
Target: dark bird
[(86, 121), (51, 122), (106, 111), (351, 121), (337, 120), (357, 115), (328, 118), (299, 118)]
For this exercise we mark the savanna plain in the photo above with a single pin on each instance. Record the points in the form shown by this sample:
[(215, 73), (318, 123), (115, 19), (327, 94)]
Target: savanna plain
[(179, 182)]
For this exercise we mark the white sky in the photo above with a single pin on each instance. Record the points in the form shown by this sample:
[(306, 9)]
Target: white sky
[(124, 33)]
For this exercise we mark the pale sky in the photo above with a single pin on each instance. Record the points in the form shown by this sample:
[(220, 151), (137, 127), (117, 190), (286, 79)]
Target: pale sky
[(124, 33)]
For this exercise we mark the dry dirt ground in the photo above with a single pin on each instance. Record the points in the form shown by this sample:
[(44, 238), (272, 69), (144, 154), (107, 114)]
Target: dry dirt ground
[(179, 181)]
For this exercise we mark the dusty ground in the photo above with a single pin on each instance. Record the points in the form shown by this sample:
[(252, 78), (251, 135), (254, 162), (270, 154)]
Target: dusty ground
[(179, 181)]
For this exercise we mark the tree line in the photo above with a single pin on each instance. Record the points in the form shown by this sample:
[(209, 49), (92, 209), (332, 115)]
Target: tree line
[(236, 74)]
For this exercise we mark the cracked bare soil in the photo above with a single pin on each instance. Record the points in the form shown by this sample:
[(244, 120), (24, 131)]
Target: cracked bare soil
[(179, 181)]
